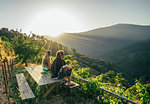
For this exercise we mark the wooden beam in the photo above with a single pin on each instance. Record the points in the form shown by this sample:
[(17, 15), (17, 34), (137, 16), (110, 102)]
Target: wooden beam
[(8, 68), (57, 87), (80, 78), (118, 96), (49, 90), (72, 86)]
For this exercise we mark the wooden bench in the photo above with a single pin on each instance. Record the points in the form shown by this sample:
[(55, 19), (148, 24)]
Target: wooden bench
[(43, 80), (25, 90)]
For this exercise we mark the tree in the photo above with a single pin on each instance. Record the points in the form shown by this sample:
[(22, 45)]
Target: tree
[(26, 49)]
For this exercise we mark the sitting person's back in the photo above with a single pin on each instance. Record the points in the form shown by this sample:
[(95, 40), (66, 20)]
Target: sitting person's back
[(46, 60), (58, 68), (57, 63)]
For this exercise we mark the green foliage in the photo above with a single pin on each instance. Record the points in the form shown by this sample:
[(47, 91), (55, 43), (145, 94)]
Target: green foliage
[(93, 63), (141, 92), (111, 81), (26, 49), (133, 60), (4, 38), (108, 80), (32, 48), (84, 72), (29, 48)]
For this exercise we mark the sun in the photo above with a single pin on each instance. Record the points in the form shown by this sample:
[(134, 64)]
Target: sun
[(54, 22)]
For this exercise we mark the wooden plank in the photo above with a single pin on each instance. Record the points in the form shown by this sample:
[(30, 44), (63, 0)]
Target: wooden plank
[(25, 90), (72, 86), (41, 79), (35, 75)]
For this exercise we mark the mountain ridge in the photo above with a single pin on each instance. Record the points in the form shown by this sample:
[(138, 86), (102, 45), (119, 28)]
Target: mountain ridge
[(97, 42), (118, 24)]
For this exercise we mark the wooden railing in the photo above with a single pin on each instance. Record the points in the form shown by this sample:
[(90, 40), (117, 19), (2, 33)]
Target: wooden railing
[(6, 68), (81, 79), (104, 90), (114, 94)]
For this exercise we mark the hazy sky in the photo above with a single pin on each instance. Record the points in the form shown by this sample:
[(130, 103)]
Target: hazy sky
[(47, 17)]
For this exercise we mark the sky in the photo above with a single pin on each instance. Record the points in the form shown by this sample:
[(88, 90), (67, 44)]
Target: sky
[(53, 17)]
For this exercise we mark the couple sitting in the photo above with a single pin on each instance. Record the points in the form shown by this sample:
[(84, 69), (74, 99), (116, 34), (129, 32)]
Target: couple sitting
[(58, 69)]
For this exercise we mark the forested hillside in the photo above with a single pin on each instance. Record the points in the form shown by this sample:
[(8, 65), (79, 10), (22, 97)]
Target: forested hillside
[(29, 48), (133, 60), (124, 45), (99, 41), (101, 74)]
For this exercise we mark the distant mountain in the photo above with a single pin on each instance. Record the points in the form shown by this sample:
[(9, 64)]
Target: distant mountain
[(100, 41), (134, 60)]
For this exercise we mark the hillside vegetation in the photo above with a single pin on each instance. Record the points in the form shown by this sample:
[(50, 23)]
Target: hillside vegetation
[(99, 41), (30, 49), (133, 60), (124, 45)]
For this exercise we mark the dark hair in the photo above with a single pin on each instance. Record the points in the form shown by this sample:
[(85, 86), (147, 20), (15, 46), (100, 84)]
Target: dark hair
[(59, 54), (49, 52), (58, 62)]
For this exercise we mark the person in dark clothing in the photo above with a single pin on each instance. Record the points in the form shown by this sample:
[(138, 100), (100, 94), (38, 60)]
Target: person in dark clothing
[(60, 69)]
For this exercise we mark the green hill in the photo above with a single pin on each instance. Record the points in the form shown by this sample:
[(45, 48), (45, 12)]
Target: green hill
[(99, 41), (133, 60)]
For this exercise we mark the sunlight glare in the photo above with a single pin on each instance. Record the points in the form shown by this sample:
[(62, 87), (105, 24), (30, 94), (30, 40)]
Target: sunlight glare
[(55, 22)]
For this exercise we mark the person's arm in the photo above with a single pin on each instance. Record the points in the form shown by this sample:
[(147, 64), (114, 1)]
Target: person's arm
[(69, 67), (66, 66)]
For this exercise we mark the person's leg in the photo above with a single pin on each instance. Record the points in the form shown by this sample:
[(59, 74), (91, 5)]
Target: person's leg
[(69, 81), (69, 78), (68, 73)]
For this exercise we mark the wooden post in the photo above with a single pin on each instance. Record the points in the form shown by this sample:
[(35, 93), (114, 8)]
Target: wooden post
[(57, 87), (4, 78), (5, 72), (42, 89), (12, 61), (98, 98), (8, 68), (12, 64), (86, 83), (5, 81), (102, 96), (79, 81)]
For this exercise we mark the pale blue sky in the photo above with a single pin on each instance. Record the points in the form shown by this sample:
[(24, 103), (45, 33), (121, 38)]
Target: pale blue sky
[(88, 14)]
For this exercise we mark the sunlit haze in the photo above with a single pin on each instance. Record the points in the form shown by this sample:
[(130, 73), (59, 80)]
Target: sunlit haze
[(53, 17), (55, 22)]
